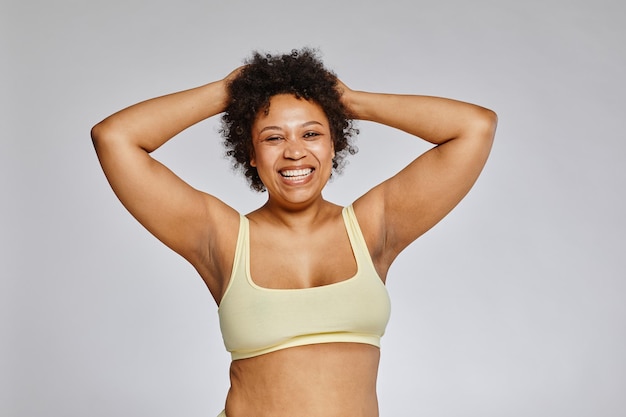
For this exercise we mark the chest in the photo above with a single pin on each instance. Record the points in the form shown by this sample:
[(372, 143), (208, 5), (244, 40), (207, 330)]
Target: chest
[(301, 260)]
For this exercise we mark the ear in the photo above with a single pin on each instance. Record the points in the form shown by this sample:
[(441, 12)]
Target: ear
[(252, 159)]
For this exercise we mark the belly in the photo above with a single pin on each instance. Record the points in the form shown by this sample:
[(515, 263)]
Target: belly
[(323, 380)]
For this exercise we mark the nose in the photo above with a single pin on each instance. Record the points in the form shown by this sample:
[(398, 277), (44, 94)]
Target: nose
[(294, 149)]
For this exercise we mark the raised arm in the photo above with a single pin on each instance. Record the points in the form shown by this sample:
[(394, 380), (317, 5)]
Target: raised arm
[(183, 218), (405, 206)]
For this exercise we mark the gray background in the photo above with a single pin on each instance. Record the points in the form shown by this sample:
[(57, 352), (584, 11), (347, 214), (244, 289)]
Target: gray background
[(512, 306)]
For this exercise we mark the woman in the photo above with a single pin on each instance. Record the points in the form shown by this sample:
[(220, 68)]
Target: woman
[(299, 281)]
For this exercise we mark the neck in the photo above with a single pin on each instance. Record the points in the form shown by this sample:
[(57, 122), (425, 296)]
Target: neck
[(300, 215)]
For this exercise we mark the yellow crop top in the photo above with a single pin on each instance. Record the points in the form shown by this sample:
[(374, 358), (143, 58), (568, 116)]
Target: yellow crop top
[(256, 320)]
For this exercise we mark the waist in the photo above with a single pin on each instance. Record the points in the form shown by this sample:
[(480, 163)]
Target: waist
[(330, 379)]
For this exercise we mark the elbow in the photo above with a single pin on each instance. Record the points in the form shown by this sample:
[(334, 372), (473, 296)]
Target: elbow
[(96, 134), (485, 123), (492, 120), (101, 133), (104, 134)]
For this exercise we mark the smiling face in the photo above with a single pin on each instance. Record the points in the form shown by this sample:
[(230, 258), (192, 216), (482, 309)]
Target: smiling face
[(293, 149)]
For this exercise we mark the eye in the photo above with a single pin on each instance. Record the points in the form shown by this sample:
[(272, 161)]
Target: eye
[(273, 138), (311, 135)]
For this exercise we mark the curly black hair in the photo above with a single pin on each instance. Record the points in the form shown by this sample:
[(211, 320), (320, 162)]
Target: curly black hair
[(300, 73)]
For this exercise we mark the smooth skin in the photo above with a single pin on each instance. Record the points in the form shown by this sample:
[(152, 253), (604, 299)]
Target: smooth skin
[(298, 239)]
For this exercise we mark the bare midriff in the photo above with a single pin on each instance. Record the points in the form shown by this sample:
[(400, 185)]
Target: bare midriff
[(322, 380)]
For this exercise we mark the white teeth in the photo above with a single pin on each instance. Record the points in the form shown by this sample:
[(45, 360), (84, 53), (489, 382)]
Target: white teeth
[(296, 172)]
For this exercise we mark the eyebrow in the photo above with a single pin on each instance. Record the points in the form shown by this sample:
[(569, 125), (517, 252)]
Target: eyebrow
[(307, 124)]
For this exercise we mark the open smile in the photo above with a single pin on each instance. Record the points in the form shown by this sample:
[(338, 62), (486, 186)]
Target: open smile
[(296, 174)]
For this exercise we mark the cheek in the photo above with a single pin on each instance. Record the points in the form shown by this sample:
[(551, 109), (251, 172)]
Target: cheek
[(264, 158), (330, 149)]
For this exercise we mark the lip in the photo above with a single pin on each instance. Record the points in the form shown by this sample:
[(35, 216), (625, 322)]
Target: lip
[(296, 172), (297, 175)]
